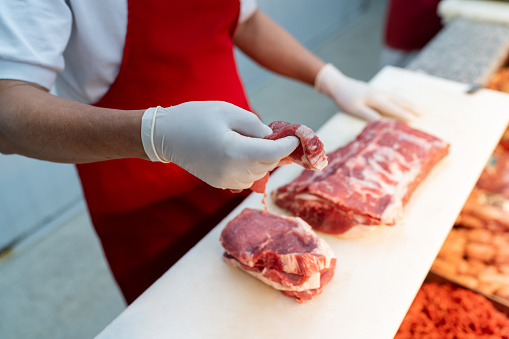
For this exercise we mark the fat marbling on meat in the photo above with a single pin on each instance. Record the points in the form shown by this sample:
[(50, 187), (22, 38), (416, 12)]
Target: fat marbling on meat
[(310, 153), (367, 182), (283, 252)]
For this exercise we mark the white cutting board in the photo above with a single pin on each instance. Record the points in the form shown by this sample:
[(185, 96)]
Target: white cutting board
[(377, 276)]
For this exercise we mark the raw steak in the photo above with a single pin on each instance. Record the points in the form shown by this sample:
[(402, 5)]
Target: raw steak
[(283, 252), (309, 154), (367, 182)]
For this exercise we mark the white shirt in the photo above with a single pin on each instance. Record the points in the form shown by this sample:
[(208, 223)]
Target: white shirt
[(74, 45)]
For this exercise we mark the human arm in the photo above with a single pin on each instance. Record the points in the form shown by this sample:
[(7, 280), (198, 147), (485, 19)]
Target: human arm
[(40, 125), (267, 43), (204, 138), (272, 47)]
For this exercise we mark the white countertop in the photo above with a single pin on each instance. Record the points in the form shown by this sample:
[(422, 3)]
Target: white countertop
[(376, 277)]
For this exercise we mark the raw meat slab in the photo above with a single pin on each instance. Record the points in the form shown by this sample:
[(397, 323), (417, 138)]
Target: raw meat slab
[(368, 181)]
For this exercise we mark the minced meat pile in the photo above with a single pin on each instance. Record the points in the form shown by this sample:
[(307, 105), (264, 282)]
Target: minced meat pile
[(442, 311)]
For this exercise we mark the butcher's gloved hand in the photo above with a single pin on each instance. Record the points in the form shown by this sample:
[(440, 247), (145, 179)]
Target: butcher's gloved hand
[(217, 142), (358, 98)]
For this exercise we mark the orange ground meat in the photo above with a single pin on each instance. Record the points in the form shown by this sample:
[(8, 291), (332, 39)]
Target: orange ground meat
[(442, 311)]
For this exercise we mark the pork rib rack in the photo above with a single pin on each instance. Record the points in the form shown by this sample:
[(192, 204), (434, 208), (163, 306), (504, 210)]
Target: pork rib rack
[(283, 252), (367, 182)]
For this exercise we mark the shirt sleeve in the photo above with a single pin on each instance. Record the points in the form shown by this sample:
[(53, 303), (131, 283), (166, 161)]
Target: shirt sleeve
[(34, 36), (247, 8)]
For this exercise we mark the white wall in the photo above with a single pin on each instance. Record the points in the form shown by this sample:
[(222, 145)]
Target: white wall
[(33, 193), (309, 21)]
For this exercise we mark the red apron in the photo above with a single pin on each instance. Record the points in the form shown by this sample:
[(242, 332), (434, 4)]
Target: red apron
[(147, 215), (411, 24)]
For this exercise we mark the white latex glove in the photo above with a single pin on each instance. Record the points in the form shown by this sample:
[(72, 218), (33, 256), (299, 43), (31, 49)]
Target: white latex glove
[(217, 142), (359, 99)]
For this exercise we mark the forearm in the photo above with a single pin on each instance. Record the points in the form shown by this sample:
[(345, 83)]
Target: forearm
[(272, 47), (37, 124)]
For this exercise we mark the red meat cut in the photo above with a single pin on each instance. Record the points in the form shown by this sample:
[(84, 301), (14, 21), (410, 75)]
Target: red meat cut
[(283, 252), (310, 153), (367, 182)]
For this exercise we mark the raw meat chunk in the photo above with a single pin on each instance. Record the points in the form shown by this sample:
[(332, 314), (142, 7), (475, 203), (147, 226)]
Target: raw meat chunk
[(309, 154), (283, 252), (367, 182)]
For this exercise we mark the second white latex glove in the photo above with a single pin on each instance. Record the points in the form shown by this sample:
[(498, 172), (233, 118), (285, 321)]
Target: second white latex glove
[(359, 99), (217, 142)]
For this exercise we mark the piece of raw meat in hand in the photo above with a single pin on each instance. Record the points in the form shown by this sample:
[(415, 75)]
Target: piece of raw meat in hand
[(310, 153), (283, 252)]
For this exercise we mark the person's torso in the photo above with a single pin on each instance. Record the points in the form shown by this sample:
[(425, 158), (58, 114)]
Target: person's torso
[(94, 54), (173, 53)]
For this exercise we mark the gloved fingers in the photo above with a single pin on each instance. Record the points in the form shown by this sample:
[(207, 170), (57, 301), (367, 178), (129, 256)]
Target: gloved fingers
[(247, 123), (410, 107), (271, 151), (285, 161), (244, 182), (386, 106), (256, 177), (261, 168), (260, 150), (237, 185), (366, 113)]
